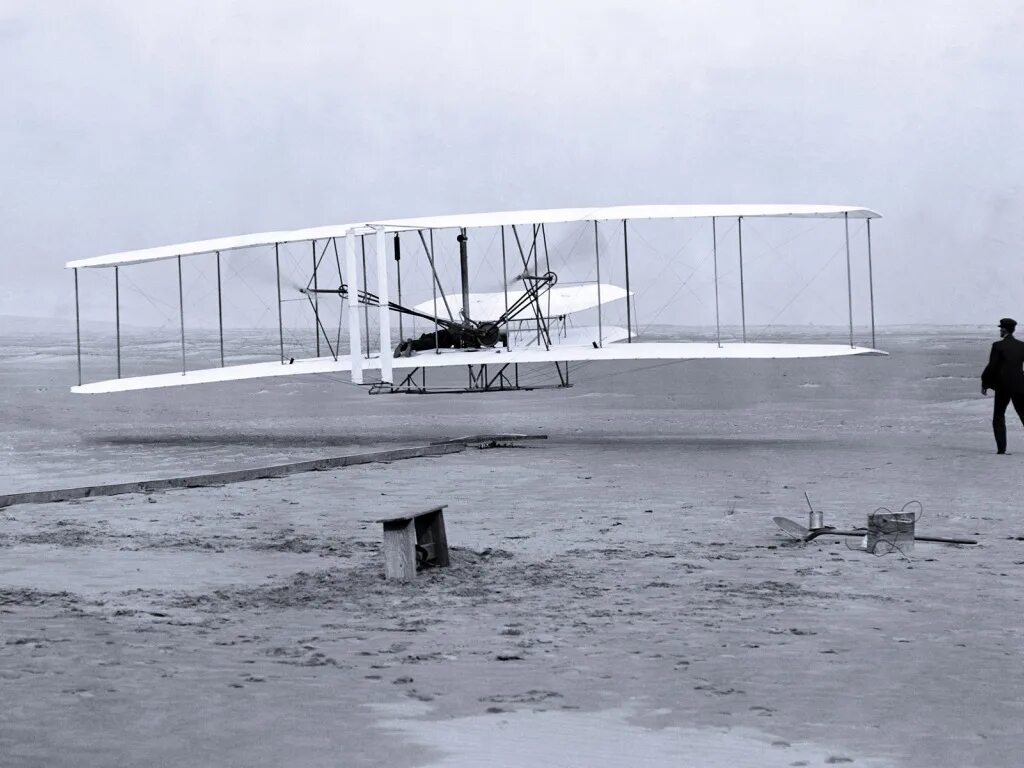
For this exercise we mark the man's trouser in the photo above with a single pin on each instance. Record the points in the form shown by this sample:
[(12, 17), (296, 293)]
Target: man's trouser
[(1002, 400)]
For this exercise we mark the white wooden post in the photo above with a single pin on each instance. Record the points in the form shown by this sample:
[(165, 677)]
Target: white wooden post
[(385, 311), (354, 337)]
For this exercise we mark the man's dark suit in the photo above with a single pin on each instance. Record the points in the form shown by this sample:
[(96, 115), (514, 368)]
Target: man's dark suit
[(1005, 374)]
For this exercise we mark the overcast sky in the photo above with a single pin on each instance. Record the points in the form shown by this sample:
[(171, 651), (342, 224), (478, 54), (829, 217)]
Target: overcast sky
[(132, 124)]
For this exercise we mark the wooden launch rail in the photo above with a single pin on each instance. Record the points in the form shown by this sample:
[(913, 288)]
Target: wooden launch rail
[(249, 474)]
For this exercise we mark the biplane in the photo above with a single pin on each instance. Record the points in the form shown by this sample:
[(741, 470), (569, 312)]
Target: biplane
[(529, 321)]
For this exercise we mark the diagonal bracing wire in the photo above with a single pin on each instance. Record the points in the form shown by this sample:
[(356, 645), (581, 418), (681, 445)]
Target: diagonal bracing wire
[(815, 276)]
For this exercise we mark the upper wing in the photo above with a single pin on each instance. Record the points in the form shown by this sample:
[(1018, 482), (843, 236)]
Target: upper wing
[(470, 220)]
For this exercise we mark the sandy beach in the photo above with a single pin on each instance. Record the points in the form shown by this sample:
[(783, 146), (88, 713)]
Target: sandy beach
[(618, 593)]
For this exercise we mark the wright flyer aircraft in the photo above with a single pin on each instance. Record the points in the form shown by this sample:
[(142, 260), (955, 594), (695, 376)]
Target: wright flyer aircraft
[(529, 317)]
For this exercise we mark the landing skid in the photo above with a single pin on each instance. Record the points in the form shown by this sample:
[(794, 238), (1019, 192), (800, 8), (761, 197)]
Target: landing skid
[(506, 379)]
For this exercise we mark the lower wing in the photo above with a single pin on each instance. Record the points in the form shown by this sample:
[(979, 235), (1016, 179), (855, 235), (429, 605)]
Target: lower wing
[(491, 356)]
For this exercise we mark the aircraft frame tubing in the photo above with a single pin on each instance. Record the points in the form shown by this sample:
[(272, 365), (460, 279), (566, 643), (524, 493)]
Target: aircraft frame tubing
[(529, 324), (564, 379), (542, 329), (407, 385), (314, 284), (499, 376), (479, 380)]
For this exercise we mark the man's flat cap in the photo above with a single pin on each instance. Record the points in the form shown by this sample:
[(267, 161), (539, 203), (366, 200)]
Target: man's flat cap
[(1008, 323)]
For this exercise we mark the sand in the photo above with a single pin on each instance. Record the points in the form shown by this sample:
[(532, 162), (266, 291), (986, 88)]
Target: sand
[(618, 594)]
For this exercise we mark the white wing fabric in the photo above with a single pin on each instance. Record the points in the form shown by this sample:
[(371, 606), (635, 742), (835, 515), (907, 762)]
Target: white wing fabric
[(560, 300), (497, 356)]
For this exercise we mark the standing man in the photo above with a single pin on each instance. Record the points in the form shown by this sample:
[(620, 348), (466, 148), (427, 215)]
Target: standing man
[(1005, 374)]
